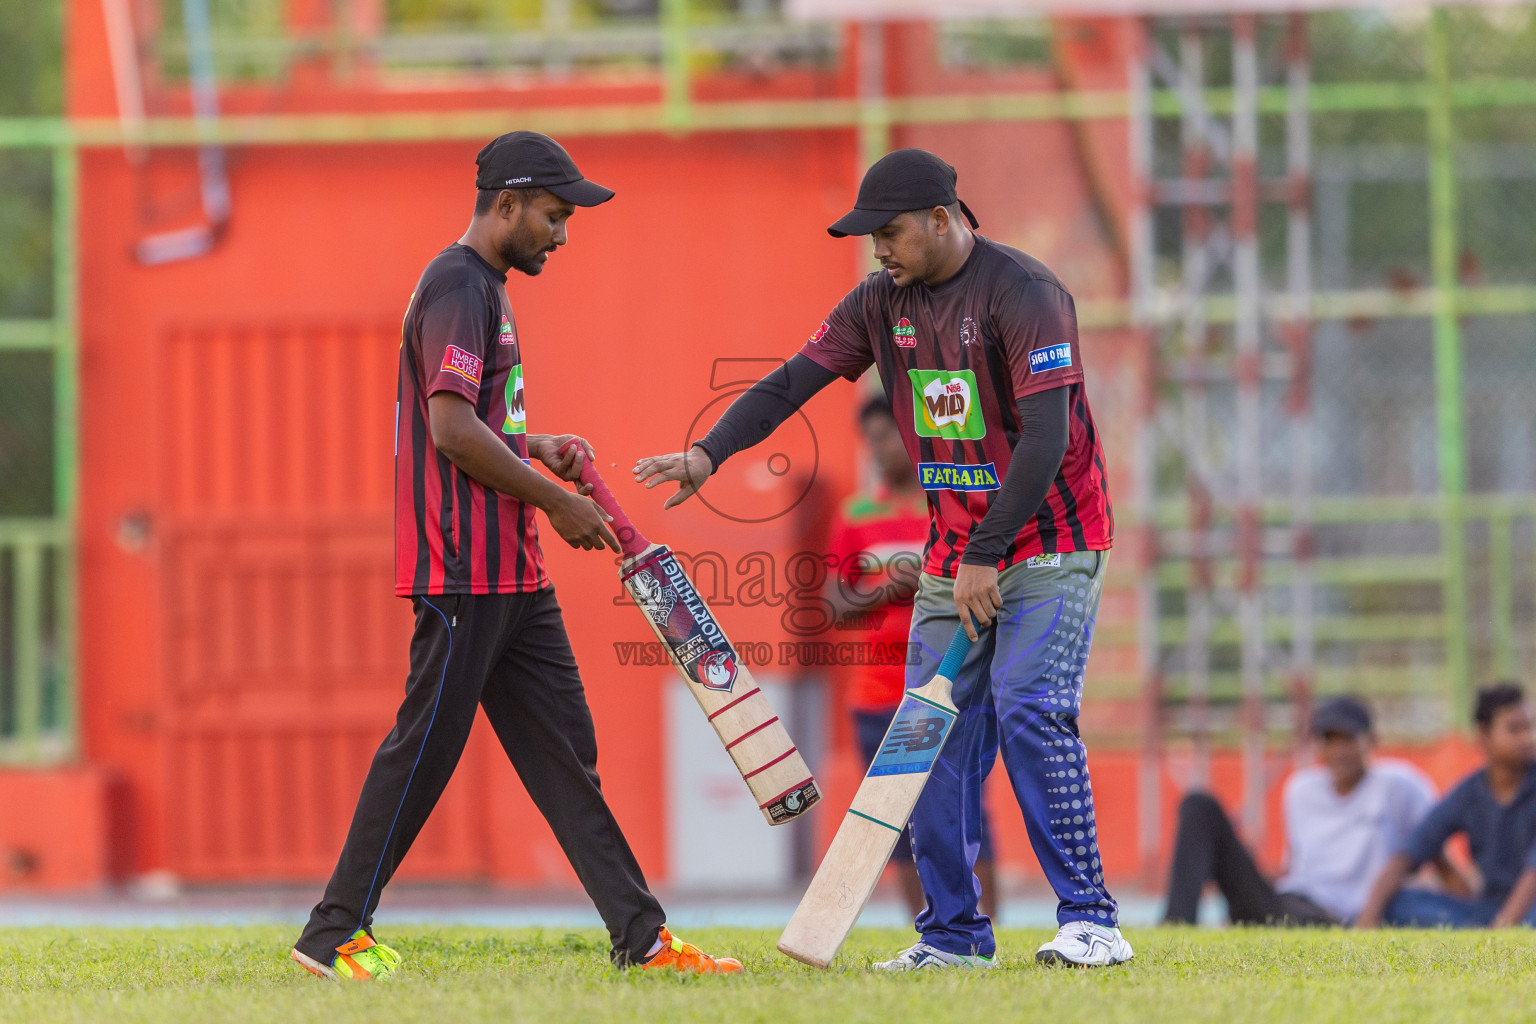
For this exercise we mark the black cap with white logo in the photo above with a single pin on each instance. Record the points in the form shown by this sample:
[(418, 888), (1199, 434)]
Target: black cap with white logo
[(908, 179), (531, 160)]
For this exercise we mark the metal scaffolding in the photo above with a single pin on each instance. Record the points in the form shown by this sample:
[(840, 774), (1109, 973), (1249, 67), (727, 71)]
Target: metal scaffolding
[(1210, 409), (1231, 582)]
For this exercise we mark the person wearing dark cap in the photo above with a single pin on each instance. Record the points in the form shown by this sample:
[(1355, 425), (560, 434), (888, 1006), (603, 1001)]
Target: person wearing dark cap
[(1495, 808), (1343, 820), (489, 631), (977, 349)]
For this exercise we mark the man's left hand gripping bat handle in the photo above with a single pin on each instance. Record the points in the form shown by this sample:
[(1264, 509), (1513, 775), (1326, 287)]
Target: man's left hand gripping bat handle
[(631, 540)]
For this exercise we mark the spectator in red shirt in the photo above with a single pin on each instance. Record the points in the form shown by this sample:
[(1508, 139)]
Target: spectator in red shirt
[(878, 541)]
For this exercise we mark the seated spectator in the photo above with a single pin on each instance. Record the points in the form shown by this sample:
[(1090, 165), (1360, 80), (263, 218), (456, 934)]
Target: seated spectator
[(1343, 820), (1495, 808)]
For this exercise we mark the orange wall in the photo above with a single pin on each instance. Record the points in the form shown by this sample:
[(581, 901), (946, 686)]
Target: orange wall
[(245, 402), (240, 666)]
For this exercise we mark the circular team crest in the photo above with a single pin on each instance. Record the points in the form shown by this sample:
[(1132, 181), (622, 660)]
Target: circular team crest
[(969, 332), (717, 670)]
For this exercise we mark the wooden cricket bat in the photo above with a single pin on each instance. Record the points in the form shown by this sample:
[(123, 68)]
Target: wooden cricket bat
[(880, 809), (746, 723)]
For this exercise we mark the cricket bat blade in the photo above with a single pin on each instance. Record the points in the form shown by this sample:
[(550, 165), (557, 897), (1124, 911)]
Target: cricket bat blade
[(854, 862)]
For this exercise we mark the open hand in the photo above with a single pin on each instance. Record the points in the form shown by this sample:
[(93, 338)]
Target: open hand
[(690, 469)]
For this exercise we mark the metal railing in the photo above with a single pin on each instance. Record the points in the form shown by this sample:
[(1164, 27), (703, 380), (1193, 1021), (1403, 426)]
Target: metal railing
[(1383, 625), (37, 713)]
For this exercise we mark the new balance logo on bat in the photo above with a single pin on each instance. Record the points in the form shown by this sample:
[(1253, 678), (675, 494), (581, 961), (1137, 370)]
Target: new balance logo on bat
[(915, 735), (913, 740)]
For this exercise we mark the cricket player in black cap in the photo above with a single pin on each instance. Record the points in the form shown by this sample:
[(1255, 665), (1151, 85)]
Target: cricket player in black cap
[(489, 632), (976, 345)]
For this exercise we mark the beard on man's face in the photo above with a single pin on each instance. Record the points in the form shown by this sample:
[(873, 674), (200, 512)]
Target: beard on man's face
[(521, 253)]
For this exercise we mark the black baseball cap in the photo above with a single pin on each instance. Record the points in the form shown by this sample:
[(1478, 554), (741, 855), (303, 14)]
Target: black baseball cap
[(1344, 715), (908, 179), (531, 160)]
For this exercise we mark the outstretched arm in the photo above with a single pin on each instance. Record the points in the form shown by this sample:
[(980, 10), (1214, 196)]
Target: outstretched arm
[(748, 421)]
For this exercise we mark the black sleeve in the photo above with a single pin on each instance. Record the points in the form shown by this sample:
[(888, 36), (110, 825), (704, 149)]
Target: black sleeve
[(758, 413), (1044, 430)]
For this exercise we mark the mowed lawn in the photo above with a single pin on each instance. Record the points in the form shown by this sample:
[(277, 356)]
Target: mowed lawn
[(461, 975)]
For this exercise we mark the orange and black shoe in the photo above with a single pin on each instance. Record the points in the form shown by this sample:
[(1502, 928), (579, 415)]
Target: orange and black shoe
[(358, 959), (686, 958)]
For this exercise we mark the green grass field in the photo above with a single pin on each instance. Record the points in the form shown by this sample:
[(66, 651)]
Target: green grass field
[(459, 975)]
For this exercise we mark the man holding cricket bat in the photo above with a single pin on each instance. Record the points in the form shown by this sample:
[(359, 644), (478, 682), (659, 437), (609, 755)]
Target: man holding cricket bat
[(489, 632), (976, 344)]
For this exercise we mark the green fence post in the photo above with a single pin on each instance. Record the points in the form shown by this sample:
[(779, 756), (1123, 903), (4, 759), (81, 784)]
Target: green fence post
[(66, 449), (1501, 591), (28, 625), (676, 101), (1447, 336)]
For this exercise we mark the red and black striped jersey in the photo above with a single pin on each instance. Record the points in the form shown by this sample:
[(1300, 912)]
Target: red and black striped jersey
[(452, 534), (955, 358)]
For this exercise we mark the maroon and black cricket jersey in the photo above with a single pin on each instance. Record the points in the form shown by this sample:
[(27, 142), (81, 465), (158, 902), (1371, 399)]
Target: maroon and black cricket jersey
[(453, 535), (955, 358)]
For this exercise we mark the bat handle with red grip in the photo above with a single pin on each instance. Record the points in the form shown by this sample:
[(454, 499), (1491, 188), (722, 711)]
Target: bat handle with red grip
[(631, 540)]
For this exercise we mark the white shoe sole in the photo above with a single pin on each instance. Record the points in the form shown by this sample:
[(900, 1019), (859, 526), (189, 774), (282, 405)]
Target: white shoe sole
[(1056, 958), (896, 967), (314, 966)]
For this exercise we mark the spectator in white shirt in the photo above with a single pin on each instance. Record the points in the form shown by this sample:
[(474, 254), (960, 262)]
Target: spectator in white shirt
[(1343, 819)]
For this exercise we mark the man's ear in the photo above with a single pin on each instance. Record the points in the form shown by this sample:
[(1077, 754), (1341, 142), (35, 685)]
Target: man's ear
[(939, 217)]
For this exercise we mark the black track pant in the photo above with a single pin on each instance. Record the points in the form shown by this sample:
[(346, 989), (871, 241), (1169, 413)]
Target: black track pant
[(509, 654), (1207, 849)]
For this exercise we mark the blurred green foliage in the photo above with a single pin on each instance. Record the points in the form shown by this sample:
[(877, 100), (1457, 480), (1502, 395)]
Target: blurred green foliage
[(464, 13), (31, 83), (26, 433), (30, 71), (1389, 234)]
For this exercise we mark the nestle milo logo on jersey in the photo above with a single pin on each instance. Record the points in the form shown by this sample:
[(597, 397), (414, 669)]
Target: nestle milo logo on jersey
[(904, 334), (944, 404), (517, 416)]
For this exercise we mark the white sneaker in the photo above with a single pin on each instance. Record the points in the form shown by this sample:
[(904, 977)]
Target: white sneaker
[(922, 957), (1084, 944)]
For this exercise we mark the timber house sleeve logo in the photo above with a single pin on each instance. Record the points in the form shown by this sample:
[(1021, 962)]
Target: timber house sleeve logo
[(465, 364)]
